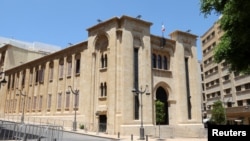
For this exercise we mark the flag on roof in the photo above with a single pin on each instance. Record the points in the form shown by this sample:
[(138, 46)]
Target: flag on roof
[(163, 28)]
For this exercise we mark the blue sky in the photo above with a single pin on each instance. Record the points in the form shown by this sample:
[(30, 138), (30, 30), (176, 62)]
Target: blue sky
[(59, 22)]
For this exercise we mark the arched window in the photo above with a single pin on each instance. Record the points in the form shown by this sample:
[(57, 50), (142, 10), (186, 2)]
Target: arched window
[(154, 61), (67, 102), (51, 66), (13, 81), (61, 67), (9, 82), (106, 61), (159, 62), (165, 63), (37, 75), (59, 101), (105, 90), (77, 63), (69, 65), (102, 61), (41, 74), (23, 78), (101, 89), (31, 79)]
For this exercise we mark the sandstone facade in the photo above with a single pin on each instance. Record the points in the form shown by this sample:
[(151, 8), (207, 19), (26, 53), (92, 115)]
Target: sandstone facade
[(119, 55)]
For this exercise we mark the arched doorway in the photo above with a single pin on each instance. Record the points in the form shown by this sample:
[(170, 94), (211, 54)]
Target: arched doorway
[(162, 96)]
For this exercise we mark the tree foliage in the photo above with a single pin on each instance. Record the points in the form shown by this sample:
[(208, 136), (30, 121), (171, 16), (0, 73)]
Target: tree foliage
[(234, 46), (160, 114), (218, 113)]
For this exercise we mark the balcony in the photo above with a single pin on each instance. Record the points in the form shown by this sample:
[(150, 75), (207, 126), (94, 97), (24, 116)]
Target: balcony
[(238, 110), (162, 73), (235, 110)]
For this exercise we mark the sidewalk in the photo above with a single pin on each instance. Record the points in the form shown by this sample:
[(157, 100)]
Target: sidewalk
[(134, 138)]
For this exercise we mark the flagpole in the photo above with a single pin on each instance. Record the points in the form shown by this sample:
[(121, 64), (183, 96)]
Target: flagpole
[(162, 30), (162, 38)]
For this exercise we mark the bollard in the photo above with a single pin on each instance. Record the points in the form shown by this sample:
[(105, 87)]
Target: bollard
[(146, 137), (118, 135), (131, 137)]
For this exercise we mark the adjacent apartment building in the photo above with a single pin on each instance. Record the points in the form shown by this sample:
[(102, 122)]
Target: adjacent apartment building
[(233, 89), (94, 82)]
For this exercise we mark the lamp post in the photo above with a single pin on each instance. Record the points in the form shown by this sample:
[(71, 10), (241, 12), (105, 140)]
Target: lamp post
[(3, 81), (75, 92), (141, 92), (24, 97)]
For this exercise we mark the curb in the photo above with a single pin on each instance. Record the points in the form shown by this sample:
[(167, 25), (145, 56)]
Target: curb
[(112, 138)]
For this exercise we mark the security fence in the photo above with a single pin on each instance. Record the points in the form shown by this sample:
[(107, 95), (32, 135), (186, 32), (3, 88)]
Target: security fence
[(25, 132)]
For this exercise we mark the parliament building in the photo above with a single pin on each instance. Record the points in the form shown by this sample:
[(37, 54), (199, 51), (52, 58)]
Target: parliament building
[(111, 81)]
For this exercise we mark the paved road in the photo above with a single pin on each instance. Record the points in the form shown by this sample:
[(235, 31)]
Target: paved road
[(68, 136)]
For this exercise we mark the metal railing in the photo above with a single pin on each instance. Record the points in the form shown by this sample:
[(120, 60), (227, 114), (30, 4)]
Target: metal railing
[(65, 123), (21, 131)]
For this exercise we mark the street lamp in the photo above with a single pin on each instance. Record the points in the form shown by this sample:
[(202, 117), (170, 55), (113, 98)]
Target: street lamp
[(4, 80), (75, 92), (137, 92), (24, 97)]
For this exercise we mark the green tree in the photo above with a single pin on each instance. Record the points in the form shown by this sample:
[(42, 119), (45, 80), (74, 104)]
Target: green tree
[(218, 113), (160, 114), (235, 22)]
